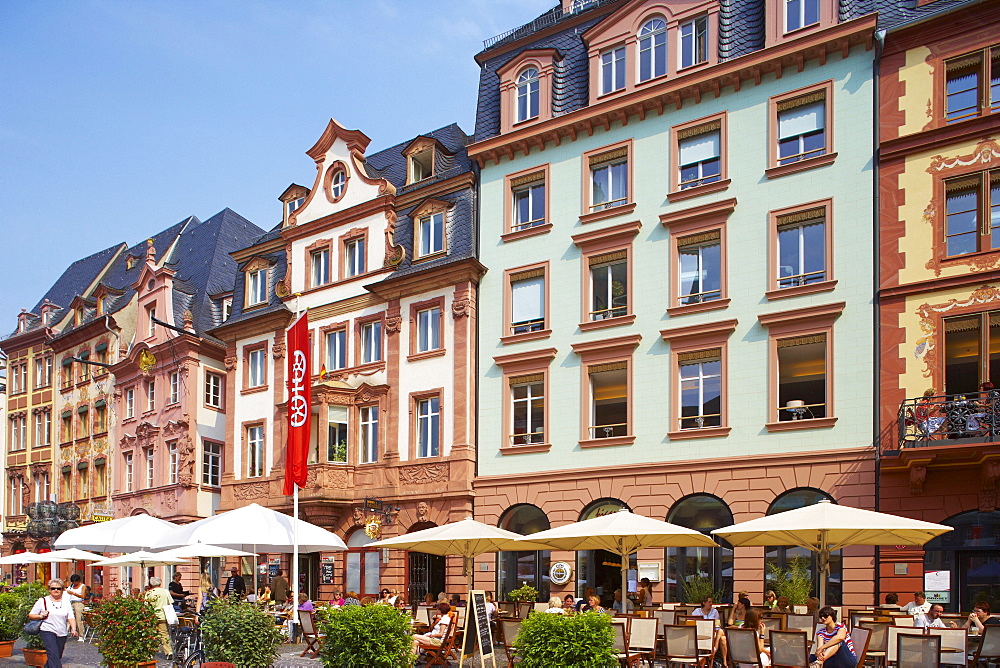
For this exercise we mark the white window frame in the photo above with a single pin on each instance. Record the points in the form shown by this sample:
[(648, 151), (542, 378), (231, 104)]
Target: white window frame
[(129, 471), (429, 424), (652, 47), (693, 44), (612, 65), (354, 257), (431, 234), (320, 262), (528, 96), (429, 329), (175, 387), (255, 368), (530, 192), (338, 184), (613, 175), (368, 434), (699, 379), (150, 394), (213, 389), (129, 403), (609, 311), (336, 349), (705, 158), (149, 455), (371, 342), (211, 463), (531, 435), (257, 287), (255, 451), (702, 295), (802, 278), (173, 458), (801, 18)]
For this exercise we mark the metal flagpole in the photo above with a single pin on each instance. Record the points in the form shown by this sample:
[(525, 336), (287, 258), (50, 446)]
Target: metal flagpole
[(295, 523)]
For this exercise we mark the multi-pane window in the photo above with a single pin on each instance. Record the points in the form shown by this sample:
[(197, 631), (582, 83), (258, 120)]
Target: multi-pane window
[(148, 455), (150, 320), (150, 394), (527, 395), (802, 377), (971, 351), (211, 463), (613, 70), (422, 165), (129, 471), (173, 462), (428, 329), (336, 349), (699, 155), (257, 287), (67, 379), (529, 201), (802, 128), (84, 367), (608, 400), (43, 428), (175, 387), (354, 257), (429, 427), (701, 389), (801, 13), (700, 265), (43, 371), (16, 498), (527, 94), (19, 378), (66, 434), (227, 308), (802, 248), (291, 206), (255, 368), (694, 42), (255, 451), (100, 417), (431, 234), (336, 444), (368, 441), (527, 301), (972, 213), (320, 267), (608, 285), (213, 390), (338, 184), (609, 180), (100, 476), (130, 403), (371, 342), (66, 488), (972, 85), (18, 432), (652, 49), (83, 422), (83, 484)]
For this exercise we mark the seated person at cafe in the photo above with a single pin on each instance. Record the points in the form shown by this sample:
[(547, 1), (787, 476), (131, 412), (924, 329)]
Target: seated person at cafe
[(933, 619), (812, 606), (891, 602), (438, 631), (622, 605), (429, 599), (593, 605), (770, 600), (456, 601), (739, 612), (569, 602), (585, 601), (980, 617), (782, 605), (918, 606), (835, 649), (264, 594), (491, 607), (706, 611), (555, 606)]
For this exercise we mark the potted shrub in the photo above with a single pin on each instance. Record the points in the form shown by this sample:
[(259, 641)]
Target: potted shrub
[(127, 635), (523, 594), (240, 633), (697, 587), (365, 636), (794, 582), (585, 640), (28, 593), (13, 617)]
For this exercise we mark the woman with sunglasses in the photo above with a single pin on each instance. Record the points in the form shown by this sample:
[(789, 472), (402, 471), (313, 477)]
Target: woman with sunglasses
[(834, 647), (56, 614)]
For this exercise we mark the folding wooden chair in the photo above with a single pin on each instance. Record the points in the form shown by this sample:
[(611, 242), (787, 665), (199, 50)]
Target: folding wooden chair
[(917, 651), (954, 646), (789, 649), (796, 622), (906, 621), (523, 610), (625, 657), (509, 628), (989, 647), (878, 641), (682, 646), (771, 624), (860, 637), (893, 641), (439, 655), (507, 608), (309, 634), (743, 647), (642, 638), (540, 607)]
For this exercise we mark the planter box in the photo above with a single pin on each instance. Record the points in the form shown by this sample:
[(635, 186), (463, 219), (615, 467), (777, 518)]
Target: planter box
[(6, 648), (35, 657)]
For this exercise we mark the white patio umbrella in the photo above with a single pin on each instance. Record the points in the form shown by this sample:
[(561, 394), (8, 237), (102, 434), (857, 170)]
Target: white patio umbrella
[(623, 533), (824, 527), (75, 554), (203, 551), (466, 538), (128, 534), (31, 558)]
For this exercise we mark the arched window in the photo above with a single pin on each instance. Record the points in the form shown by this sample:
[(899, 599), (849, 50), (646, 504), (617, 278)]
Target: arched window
[(688, 565), (781, 557), (361, 569), (519, 568), (971, 554), (338, 184), (652, 49), (527, 94), (598, 568)]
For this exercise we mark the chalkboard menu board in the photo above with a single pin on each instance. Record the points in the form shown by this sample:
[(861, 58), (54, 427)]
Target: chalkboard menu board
[(477, 629), (326, 574)]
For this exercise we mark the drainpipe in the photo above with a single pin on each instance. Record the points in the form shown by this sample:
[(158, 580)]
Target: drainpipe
[(876, 302)]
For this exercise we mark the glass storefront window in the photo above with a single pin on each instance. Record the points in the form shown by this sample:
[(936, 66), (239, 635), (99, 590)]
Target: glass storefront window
[(782, 556), (519, 568), (703, 513), (971, 553)]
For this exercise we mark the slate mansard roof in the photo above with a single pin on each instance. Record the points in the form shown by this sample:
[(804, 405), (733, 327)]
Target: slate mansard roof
[(278, 268), (741, 29)]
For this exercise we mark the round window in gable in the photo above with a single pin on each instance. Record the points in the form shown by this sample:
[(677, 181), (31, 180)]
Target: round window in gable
[(335, 181)]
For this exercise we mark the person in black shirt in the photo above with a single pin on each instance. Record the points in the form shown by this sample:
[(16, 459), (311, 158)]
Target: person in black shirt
[(177, 592), (235, 584)]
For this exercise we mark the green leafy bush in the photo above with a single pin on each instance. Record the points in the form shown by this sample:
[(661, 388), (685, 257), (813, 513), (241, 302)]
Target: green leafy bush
[(13, 617), (365, 636), (523, 594), (583, 641), (28, 593), (126, 627), (241, 633), (795, 582), (696, 587)]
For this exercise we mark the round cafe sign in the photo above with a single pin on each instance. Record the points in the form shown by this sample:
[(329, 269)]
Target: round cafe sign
[(560, 572)]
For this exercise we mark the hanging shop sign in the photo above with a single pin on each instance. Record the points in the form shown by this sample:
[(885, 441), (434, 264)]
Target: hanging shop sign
[(560, 573)]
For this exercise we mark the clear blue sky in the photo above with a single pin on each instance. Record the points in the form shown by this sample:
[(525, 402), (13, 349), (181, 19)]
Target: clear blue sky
[(120, 118)]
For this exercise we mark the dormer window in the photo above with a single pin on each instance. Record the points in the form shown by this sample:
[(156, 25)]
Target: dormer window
[(151, 320), (800, 14), (131, 261), (694, 42), (257, 287), (431, 234), (78, 315), (613, 70), (227, 308), (652, 49), (527, 95), (292, 205), (422, 165)]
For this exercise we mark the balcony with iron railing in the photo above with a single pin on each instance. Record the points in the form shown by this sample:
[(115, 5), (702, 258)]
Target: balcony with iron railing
[(948, 419), (547, 19)]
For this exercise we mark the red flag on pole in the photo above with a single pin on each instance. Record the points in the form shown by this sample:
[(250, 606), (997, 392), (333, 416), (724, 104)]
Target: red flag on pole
[(299, 404)]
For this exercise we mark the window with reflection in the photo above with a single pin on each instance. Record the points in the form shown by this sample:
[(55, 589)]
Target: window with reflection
[(971, 351), (972, 556), (361, 571), (782, 556), (704, 513), (515, 569)]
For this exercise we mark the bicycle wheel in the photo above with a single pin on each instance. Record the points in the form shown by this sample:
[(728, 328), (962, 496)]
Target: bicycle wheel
[(194, 660)]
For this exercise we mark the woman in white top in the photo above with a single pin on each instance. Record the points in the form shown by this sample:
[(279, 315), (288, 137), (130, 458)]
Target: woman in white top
[(57, 622), (555, 606), (706, 611)]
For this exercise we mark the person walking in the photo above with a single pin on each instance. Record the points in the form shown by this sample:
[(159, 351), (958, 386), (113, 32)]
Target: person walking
[(235, 584), (160, 598), (78, 593), (279, 586), (57, 622)]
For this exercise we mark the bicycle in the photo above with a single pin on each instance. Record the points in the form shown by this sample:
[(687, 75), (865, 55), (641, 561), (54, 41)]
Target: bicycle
[(187, 645)]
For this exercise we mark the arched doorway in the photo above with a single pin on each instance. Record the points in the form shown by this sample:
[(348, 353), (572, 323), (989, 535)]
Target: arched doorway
[(523, 568), (690, 566), (426, 572), (971, 556), (782, 557), (600, 569), (361, 565)]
